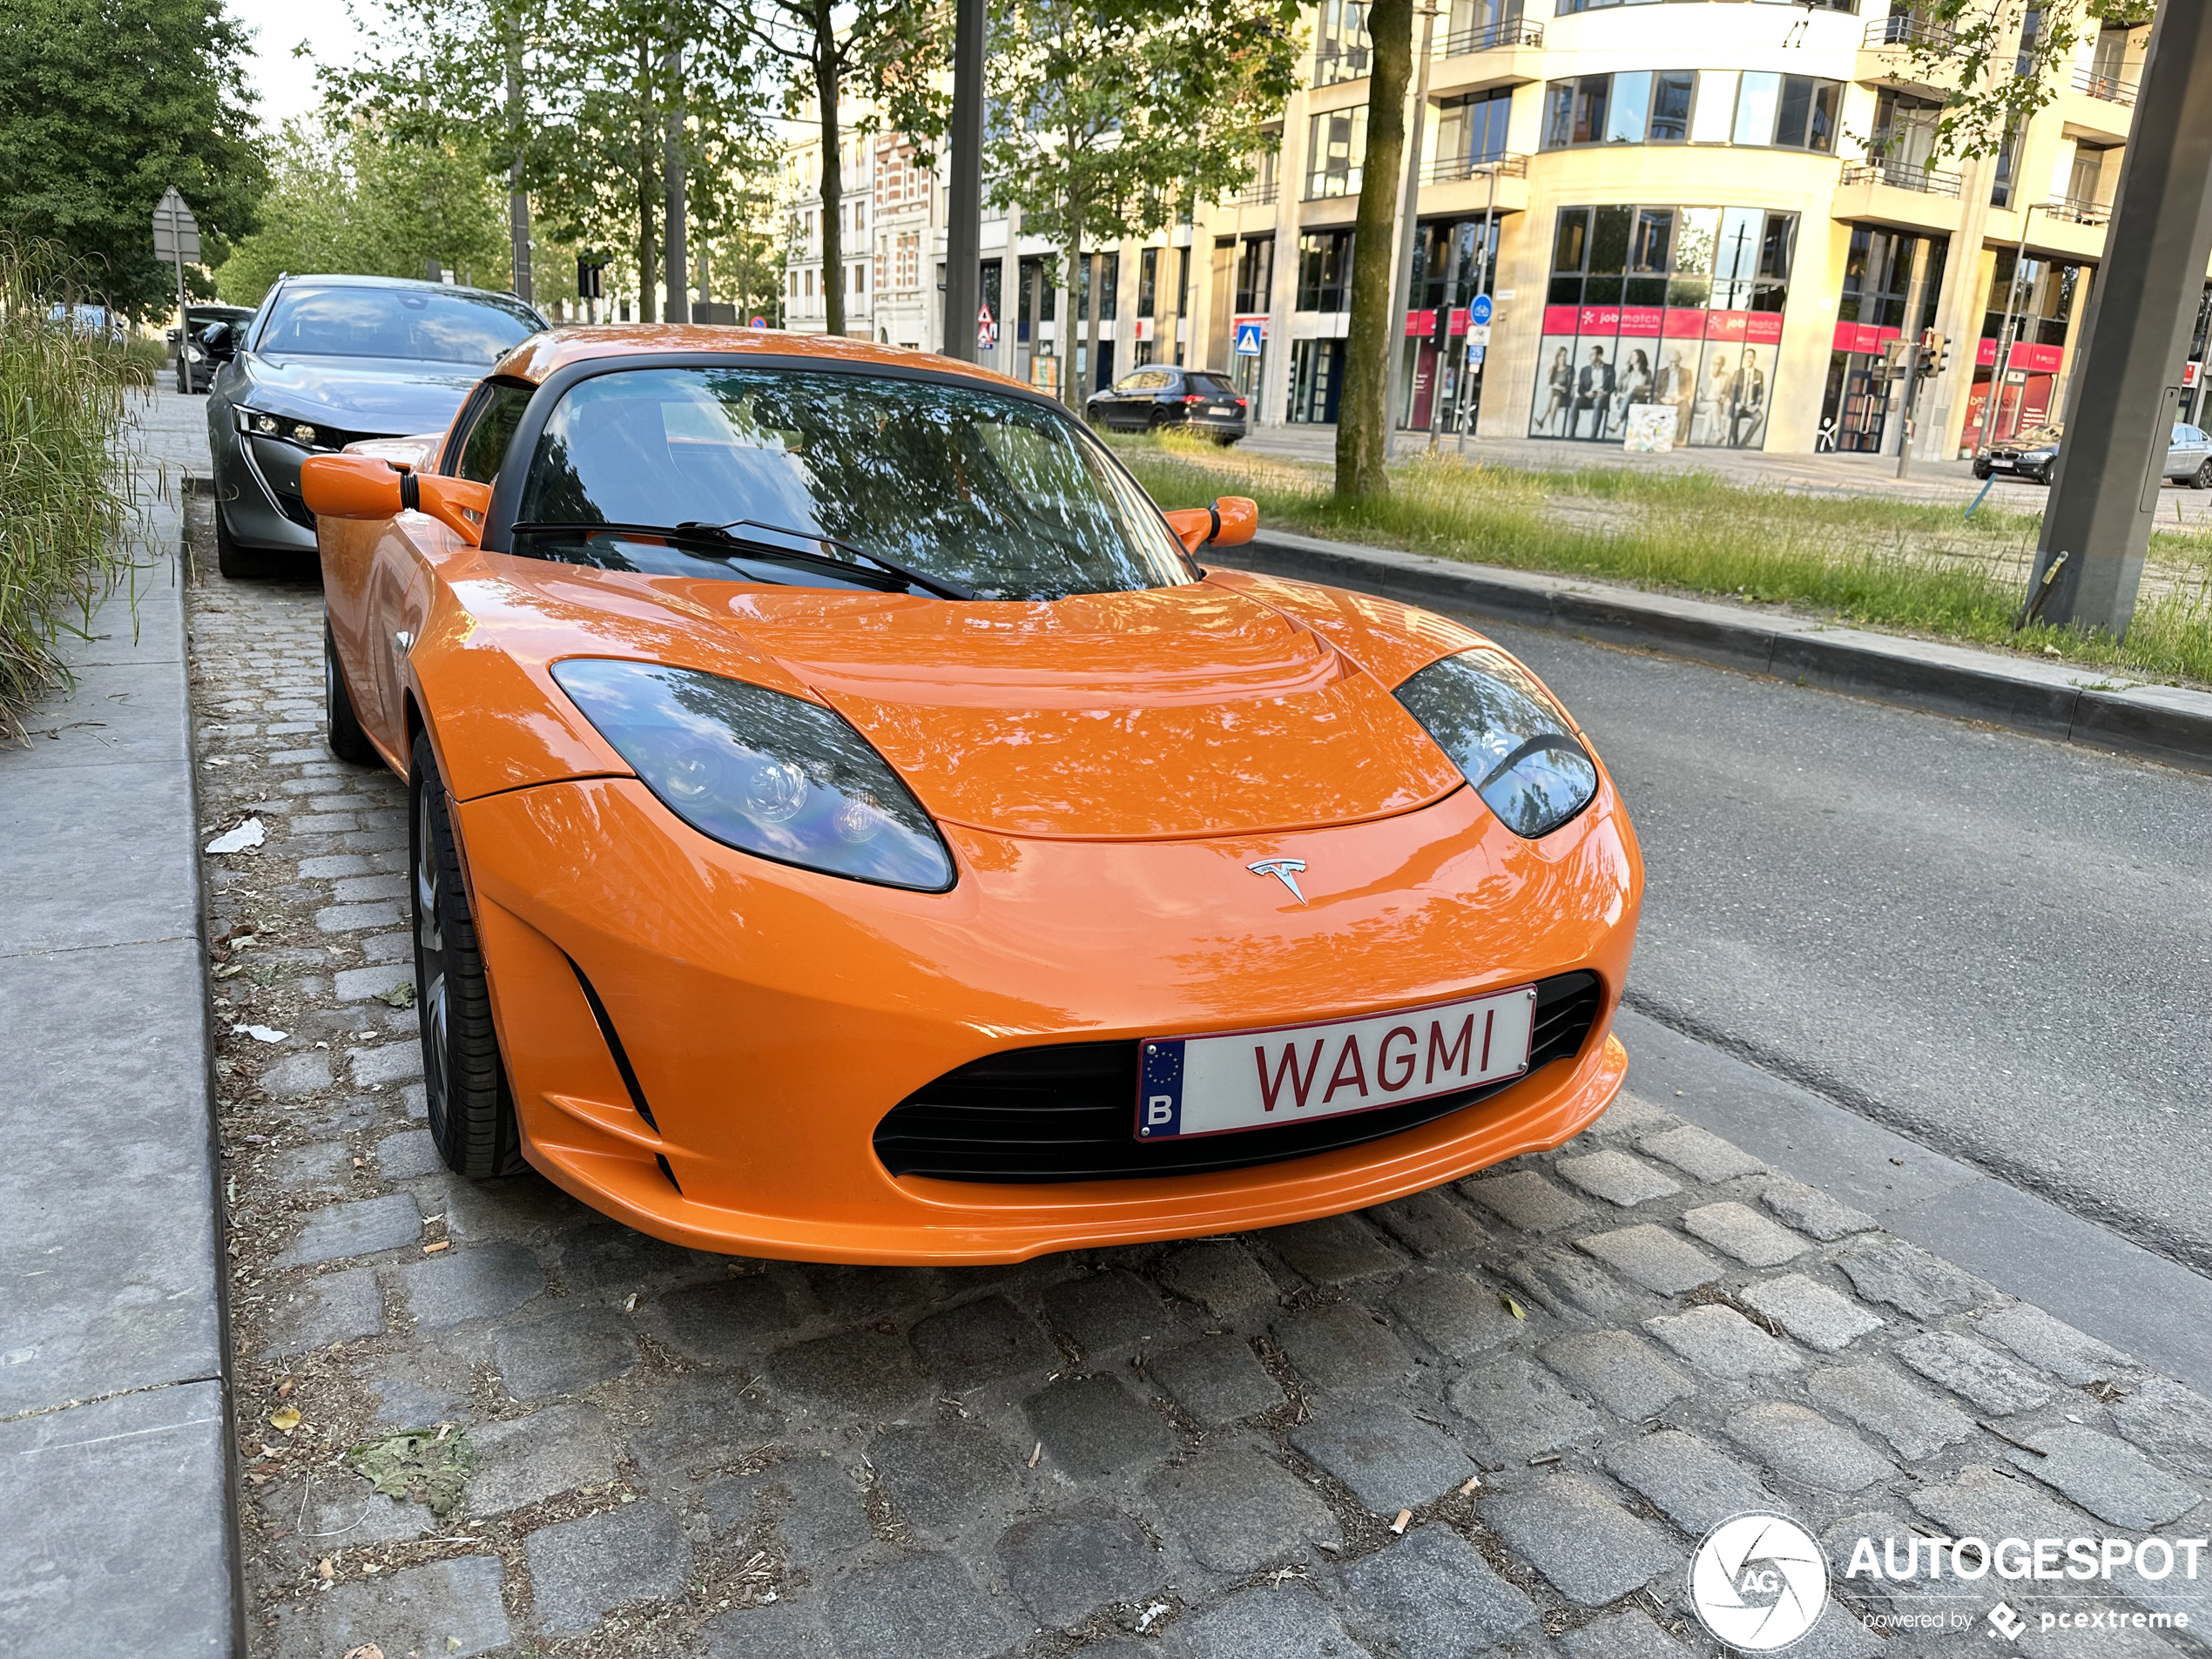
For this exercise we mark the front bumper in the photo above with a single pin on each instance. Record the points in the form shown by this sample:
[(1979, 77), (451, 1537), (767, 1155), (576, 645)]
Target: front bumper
[(256, 488), (770, 1016)]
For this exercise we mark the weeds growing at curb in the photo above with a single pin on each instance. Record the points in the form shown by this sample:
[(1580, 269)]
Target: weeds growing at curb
[(1862, 560), (68, 500)]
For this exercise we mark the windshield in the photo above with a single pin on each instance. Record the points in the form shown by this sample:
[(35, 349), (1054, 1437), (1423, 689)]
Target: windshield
[(1004, 496), (428, 326)]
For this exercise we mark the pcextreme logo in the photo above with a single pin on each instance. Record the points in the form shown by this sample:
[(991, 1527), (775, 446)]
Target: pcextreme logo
[(1759, 1581)]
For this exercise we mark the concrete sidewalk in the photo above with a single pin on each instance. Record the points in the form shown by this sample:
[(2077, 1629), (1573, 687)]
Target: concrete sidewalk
[(114, 1454)]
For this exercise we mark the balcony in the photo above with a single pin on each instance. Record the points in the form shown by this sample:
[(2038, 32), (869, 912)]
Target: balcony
[(1260, 194), (2077, 210), (2109, 88), (1471, 185), (1499, 54), (1907, 51), (1898, 192), (2100, 108)]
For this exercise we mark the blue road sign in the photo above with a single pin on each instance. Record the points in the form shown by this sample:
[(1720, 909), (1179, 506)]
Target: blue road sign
[(1248, 338), (1479, 313)]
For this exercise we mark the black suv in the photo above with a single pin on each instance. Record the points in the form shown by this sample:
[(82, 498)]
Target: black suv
[(194, 371), (1145, 399)]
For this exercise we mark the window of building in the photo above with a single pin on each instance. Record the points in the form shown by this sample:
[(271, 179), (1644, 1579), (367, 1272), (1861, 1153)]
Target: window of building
[(1673, 308), (1147, 280), (1476, 25), (1335, 143), (1325, 271), (1565, 7), (1672, 93), (1110, 282), (1471, 130), (1340, 48), (1787, 112), (1255, 276), (1681, 105), (2006, 162)]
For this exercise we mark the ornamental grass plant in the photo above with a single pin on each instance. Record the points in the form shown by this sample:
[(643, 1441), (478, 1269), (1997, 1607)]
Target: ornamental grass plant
[(69, 503), (1865, 561)]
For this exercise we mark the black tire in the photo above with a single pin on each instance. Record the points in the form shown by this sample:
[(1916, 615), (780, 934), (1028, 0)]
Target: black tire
[(1981, 469), (347, 741), (471, 1108), (236, 560), (2202, 478), (1155, 421)]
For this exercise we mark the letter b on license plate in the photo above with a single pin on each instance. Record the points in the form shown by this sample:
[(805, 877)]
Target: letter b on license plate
[(1218, 1084)]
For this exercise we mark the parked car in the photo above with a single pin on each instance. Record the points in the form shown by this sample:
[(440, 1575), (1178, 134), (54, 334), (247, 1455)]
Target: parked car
[(2034, 454), (1146, 399), (194, 371), (327, 361), (832, 780)]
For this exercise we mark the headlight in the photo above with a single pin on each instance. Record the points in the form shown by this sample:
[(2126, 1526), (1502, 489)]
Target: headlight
[(2040, 455), (262, 424), (1508, 739), (761, 771), (194, 354)]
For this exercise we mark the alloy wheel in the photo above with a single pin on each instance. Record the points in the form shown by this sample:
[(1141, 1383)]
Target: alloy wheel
[(430, 956)]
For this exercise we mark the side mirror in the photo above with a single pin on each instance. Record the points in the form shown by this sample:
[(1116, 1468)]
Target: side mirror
[(345, 486), (1230, 521), (219, 341)]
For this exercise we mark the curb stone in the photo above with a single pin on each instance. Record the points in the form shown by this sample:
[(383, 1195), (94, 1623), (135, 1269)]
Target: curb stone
[(2081, 706)]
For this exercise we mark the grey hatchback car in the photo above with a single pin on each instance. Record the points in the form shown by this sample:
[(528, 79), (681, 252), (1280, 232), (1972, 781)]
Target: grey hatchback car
[(327, 361)]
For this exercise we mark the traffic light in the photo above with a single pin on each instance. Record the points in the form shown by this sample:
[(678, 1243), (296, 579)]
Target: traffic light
[(1935, 352), (587, 276)]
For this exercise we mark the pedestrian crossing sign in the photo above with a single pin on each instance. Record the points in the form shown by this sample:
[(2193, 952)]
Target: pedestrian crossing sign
[(1249, 332)]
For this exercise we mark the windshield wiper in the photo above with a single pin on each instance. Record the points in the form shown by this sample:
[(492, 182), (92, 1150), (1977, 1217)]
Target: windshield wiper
[(943, 587), (712, 535)]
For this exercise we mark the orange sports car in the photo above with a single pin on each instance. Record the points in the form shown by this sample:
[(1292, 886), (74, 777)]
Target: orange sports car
[(853, 823)]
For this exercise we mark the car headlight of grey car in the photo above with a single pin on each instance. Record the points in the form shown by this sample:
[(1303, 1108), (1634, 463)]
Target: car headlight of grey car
[(262, 423), (765, 772), (1508, 738)]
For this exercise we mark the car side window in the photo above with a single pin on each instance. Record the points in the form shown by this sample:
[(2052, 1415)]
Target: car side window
[(484, 445)]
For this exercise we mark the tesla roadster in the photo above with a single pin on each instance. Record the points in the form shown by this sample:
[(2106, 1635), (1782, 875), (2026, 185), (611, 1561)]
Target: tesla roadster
[(853, 823)]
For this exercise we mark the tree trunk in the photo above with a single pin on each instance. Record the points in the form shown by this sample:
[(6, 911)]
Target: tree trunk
[(677, 306), (518, 201), (826, 90), (1361, 414), (648, 186)]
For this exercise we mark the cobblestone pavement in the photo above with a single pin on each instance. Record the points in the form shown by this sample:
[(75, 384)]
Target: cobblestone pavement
[(1567, 1369)]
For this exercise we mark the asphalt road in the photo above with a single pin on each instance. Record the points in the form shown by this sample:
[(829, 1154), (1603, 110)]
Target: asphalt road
[(1999, 946)]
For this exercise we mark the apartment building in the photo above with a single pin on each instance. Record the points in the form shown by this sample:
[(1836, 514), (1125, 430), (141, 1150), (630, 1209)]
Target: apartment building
[(1702, 221)]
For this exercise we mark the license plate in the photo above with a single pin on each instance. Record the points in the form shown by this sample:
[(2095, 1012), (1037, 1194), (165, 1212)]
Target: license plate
[(1219, 408), (2000, 466), (1241, 1080)]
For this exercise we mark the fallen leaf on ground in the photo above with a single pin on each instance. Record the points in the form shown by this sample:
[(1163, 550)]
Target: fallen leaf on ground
[(1514, 1308), (399, 996), (429, 1466), (285, 1418), (1035, 1455), (367, 1650), (237, 840)]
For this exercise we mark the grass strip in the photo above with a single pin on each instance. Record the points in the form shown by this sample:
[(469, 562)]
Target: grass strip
[(1872, 562), (68, 499)]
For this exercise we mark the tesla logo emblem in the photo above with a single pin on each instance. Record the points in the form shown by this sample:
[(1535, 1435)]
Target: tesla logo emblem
[(1283, 870)]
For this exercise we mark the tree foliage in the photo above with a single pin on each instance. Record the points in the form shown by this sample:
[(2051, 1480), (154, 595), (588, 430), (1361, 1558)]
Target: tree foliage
[(105, 104), (884, 53), (1104, 112), (2002, 60), (353, 194)]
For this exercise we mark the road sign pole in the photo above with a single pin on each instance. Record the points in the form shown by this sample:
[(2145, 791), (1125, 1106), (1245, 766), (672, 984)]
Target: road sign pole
[(2120, 407)]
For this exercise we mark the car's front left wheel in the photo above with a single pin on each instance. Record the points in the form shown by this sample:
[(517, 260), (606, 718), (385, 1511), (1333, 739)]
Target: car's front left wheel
[(236, 560), (347, 741), (470, 1107)]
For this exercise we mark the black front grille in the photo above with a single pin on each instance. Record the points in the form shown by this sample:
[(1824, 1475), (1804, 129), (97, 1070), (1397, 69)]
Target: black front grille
[(1067, 1112)]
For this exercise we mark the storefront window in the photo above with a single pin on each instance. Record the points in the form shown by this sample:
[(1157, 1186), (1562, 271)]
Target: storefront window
[(1325, 271), (1340, 49), (1861, 401), (1662, 307)]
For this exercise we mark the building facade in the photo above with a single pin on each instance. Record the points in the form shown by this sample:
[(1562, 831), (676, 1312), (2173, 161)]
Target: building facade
[(1703, 223)]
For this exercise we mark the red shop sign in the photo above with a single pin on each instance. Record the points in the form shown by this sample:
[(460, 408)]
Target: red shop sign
[(1559, 319), (1684, 325), (1640, 321), (1599, 319), (1762, 328), (1726, 324), (2039, 360)]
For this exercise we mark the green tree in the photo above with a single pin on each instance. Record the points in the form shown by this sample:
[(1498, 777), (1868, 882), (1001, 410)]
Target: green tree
[(105, 104), (1103, 113), (1363, 434), (2000, 59), (882, 50), (351, 195)]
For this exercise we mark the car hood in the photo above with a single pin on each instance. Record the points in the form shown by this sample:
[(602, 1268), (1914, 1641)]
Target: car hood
[(1195, 710), (373, 396)]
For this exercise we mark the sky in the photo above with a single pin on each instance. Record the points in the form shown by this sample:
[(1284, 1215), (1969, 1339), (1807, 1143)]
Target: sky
[(286, 84)]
